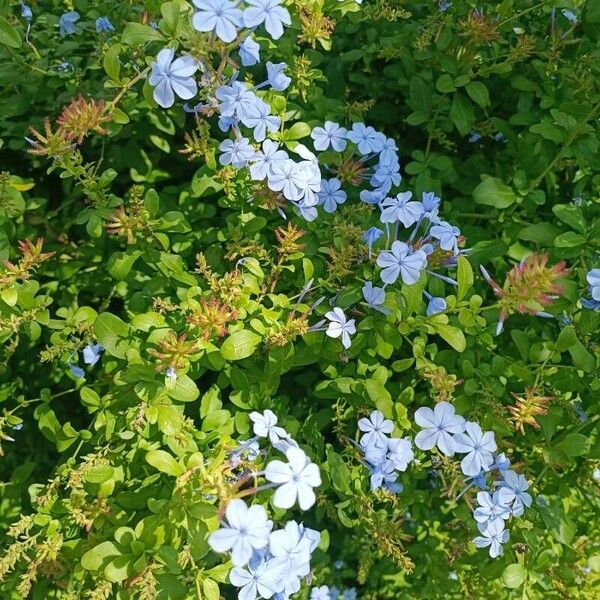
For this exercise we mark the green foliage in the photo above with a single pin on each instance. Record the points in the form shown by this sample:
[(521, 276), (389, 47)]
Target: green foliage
[(151, 249)]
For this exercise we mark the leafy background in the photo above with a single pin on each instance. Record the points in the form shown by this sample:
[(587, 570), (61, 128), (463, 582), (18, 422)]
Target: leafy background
[(98, 464)]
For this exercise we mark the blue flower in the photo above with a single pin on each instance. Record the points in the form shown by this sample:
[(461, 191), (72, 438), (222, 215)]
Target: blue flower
[(269, 12), (66, 25), (447, 235), (173, 77), (258, 580), (340, 327), (372, 196), (330, 134), (444, 5), (494, 535), (263, 161), (321, 593), (370, 236), (103, 24), (569, 15), (402, 261), (593, 278), (236, 152), (258, 117), (26, 12), (386, 176), (331, 195), (388, 153), (375, 429), (350, 594), (235, 99), (221, 16), (91, 354), (435, 305), (375, 297), (249, 52), (77, 371), (276, 77), (366, 138), (492, 508), (401, 209), (474, 137), (431, 204), (439, 425), (478, 446), (513, 488)]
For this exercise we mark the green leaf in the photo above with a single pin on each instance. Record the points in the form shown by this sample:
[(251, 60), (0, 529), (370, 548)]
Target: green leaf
[(478, 93), (566, 339), (211, 589), (111, 62), (514, 576), (111, 333), (571, 215), (135, 34), (461, 113), (99, 474), (380, 397), (464, 277), (119, 264), (493, 192), (164, 462), (240, 344), (570, 239), (453, 335), (574, 444), (9, 36), (94, 559), (183, 390)]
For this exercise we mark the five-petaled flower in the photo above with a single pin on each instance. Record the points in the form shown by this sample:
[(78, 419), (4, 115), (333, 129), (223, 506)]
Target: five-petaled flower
[(494, 535), (375, 427), (173, 77), (340, 327), (401, 261), (221, 16), (269, 12), (478, 447), (439, 424)]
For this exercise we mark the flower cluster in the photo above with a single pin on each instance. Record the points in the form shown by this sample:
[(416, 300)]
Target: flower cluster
[(593, 278), (451, 434), (270, 563), (384, 456)]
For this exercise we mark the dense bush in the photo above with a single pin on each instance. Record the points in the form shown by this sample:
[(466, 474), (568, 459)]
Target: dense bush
[(300, 298)]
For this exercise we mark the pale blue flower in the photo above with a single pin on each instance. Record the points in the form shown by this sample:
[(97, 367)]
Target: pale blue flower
[(382, 474), (375, 297), (478, 447), (374, 196), (569, 15), (247, 530), (271, 13), (66, 25), (513, 488), (235, 99), (26, 12), (249, 52), (438, 426), (258, 117), (435, 304), (236, 152), (276, 77), (370, 236), (103, 24), (593, 278), (173, 77), (447, 235), (340, 327), (431, 204), (171, 373), (221, 16), (350, 594), (331, 194), (331, 134), (401, 209), (258, 580), (474, 137), (263, 161), (321, 593), (295, 479), (226, 123), (283, 178), (388, 155), (492, 507), (400, 453), (386, 176), (366, 138), (92, 353), (77, 371), (401, 261), (375, 429), (494, 535)]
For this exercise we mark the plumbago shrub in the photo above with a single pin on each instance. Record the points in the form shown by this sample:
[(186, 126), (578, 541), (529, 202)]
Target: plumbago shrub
[(300, 299)]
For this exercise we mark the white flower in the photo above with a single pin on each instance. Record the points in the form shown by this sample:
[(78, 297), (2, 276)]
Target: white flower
[(263, 579), (478, 446), (290, 543), (439, 423), (494, 535), (296, 480), (340, 327), (248, 530), (375, 427), (265, 426)]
